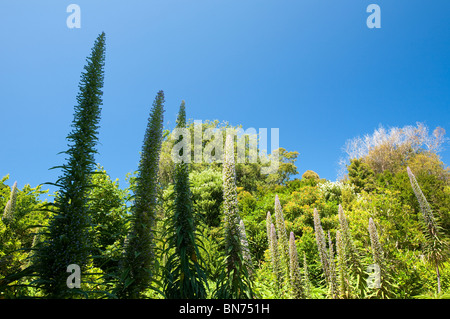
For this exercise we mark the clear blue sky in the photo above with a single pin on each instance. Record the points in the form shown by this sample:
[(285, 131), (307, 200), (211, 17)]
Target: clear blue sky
[(311, 68)]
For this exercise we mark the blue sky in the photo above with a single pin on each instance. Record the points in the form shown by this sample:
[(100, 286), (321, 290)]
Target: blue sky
[(311, 68)]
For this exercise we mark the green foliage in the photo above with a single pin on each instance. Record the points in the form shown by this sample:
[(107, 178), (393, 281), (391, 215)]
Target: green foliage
[(109, 218), (207, 195), (310, 175), (361, 175)]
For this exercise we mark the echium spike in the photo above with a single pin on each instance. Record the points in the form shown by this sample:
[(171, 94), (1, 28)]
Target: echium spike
[(245, 248), (230, 205), (350, 257), (435, 247), (274, 255), (296, 281), (306, 281), (377, 251), (343, 271), (282, 237), (332, 268), (321, 245), (268, 224), (8, 214), (425, 207)]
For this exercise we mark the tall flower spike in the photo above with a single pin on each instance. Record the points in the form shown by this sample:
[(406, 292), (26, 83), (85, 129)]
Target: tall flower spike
[(425, 208), (235, 281), (139, 258), (268, 223), (245, 248), (435, 248), (230, 204), (282, 237), (350, 255), (321, 245), (343, 271), (274, 255), (332, 268), (377, 251), (306, 281), (8, 214), (68, 237), (296, 281), (185, 278)]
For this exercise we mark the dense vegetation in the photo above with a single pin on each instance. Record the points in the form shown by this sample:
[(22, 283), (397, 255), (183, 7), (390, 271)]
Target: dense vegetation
[(223, 229)]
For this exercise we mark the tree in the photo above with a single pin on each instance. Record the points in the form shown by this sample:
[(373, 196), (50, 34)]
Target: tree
[(207, 195), (185, 277), (109, 210), (68, 237), (139, 259), (361, 175), (391, 149)]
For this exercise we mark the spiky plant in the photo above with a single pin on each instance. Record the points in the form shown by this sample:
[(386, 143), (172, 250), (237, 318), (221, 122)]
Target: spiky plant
[(185, 276), (268, 223), (8, 214), (321, 246), (275, 256), (295, 276), (333, 286), (283, 240), (138, 264), (343, 271), (246, 249), (435, 246), (307, 283), (377, 251), (351, 257), (234, 282), (382, 275), (68, 237)]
